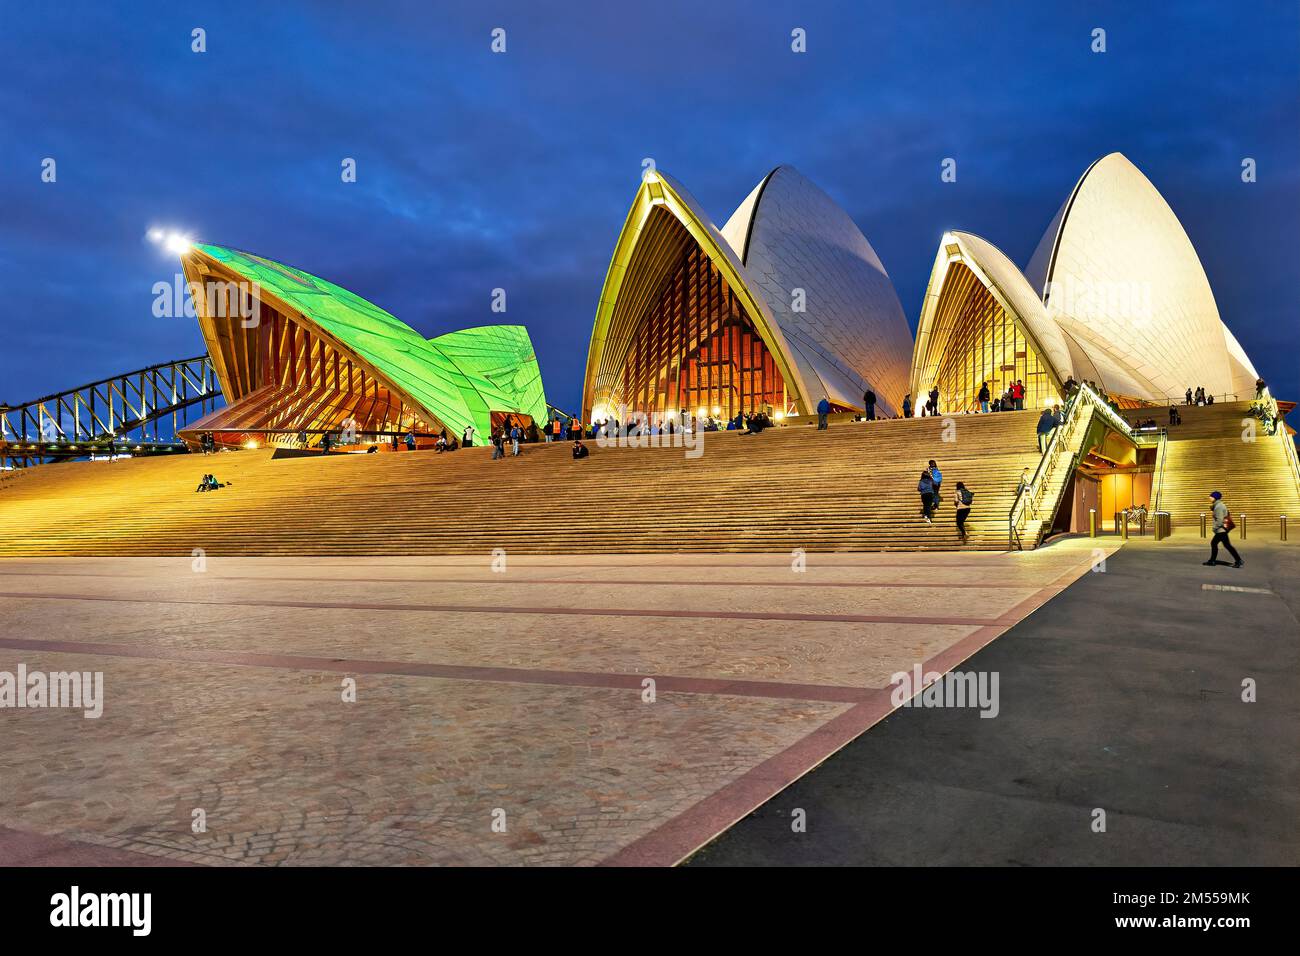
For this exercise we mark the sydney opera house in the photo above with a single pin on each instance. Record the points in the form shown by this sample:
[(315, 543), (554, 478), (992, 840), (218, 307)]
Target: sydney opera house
[(783, 306), (295, 353), (1114, 294), (787, 304)]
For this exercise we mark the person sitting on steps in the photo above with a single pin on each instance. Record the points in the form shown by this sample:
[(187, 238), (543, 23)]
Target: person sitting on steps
[(210, 483)]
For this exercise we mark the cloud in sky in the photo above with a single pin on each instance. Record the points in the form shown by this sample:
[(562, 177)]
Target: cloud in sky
[(478, 171)]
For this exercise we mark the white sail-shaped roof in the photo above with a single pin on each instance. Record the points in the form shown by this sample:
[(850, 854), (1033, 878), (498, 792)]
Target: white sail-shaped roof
[(1114, 293), (851, 333), (1123, 277)]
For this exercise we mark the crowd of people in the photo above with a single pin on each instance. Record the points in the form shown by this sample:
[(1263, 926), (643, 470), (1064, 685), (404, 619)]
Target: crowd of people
[(1011, 399), (513, 433)]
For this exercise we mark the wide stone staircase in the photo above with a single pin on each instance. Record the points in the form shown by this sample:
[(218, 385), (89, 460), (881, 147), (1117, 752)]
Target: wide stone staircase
[(852, 487), (1216, 449)]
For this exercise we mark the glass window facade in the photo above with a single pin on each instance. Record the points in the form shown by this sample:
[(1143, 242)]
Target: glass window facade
[(975, 341), (695, 348)]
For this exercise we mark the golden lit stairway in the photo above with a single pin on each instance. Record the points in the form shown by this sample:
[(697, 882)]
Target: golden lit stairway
[(1209, 452), (852, 487)]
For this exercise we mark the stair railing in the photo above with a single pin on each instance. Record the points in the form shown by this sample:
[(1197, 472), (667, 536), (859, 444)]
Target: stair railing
[(1078, 413), (1159, 470), (1027, 495), (1288, 443), (1181, 400)]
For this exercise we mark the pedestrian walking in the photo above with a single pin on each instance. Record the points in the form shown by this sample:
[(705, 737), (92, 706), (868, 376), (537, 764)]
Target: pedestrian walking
[(1223, 524), (1047, 423), (936, 476), (926, 489), (963, 500)]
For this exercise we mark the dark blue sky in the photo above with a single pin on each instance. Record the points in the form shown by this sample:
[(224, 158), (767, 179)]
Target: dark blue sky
[(478, 171)]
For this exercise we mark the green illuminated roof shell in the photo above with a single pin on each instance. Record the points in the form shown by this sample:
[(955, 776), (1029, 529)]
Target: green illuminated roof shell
[(458, 379)]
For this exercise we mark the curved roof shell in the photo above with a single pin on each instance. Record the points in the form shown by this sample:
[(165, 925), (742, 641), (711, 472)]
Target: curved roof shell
[(851, 333), (1117, 270), (1114, 293), (786, 235), (663, 220), (454, 380)]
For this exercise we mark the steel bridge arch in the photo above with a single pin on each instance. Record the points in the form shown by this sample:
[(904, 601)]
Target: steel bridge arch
[(142, 408)]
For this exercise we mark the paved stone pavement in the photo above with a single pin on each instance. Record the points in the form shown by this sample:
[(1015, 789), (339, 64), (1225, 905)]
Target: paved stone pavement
[(1124, 694), (513, 697)]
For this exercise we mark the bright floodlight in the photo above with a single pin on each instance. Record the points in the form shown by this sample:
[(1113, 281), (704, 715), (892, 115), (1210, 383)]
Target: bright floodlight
[(172, 242)]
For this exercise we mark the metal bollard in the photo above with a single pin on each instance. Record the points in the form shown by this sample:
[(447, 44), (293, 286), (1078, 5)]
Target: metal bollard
[(1202, 524), (1142, 526), (1124, 527), (1282, 518), (1092, 522), (1242, 524)]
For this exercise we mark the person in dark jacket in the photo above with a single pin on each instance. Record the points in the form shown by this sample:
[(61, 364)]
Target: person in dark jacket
[(907, 405), (823, 409), (1047, 423), (926, 488), (984, 397), (869, 399)]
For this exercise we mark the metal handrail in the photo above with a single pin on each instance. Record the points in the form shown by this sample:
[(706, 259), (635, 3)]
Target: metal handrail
[(1019, 504), (1288, 442), (1182, 399), (1159, 469), (1027, 498)]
